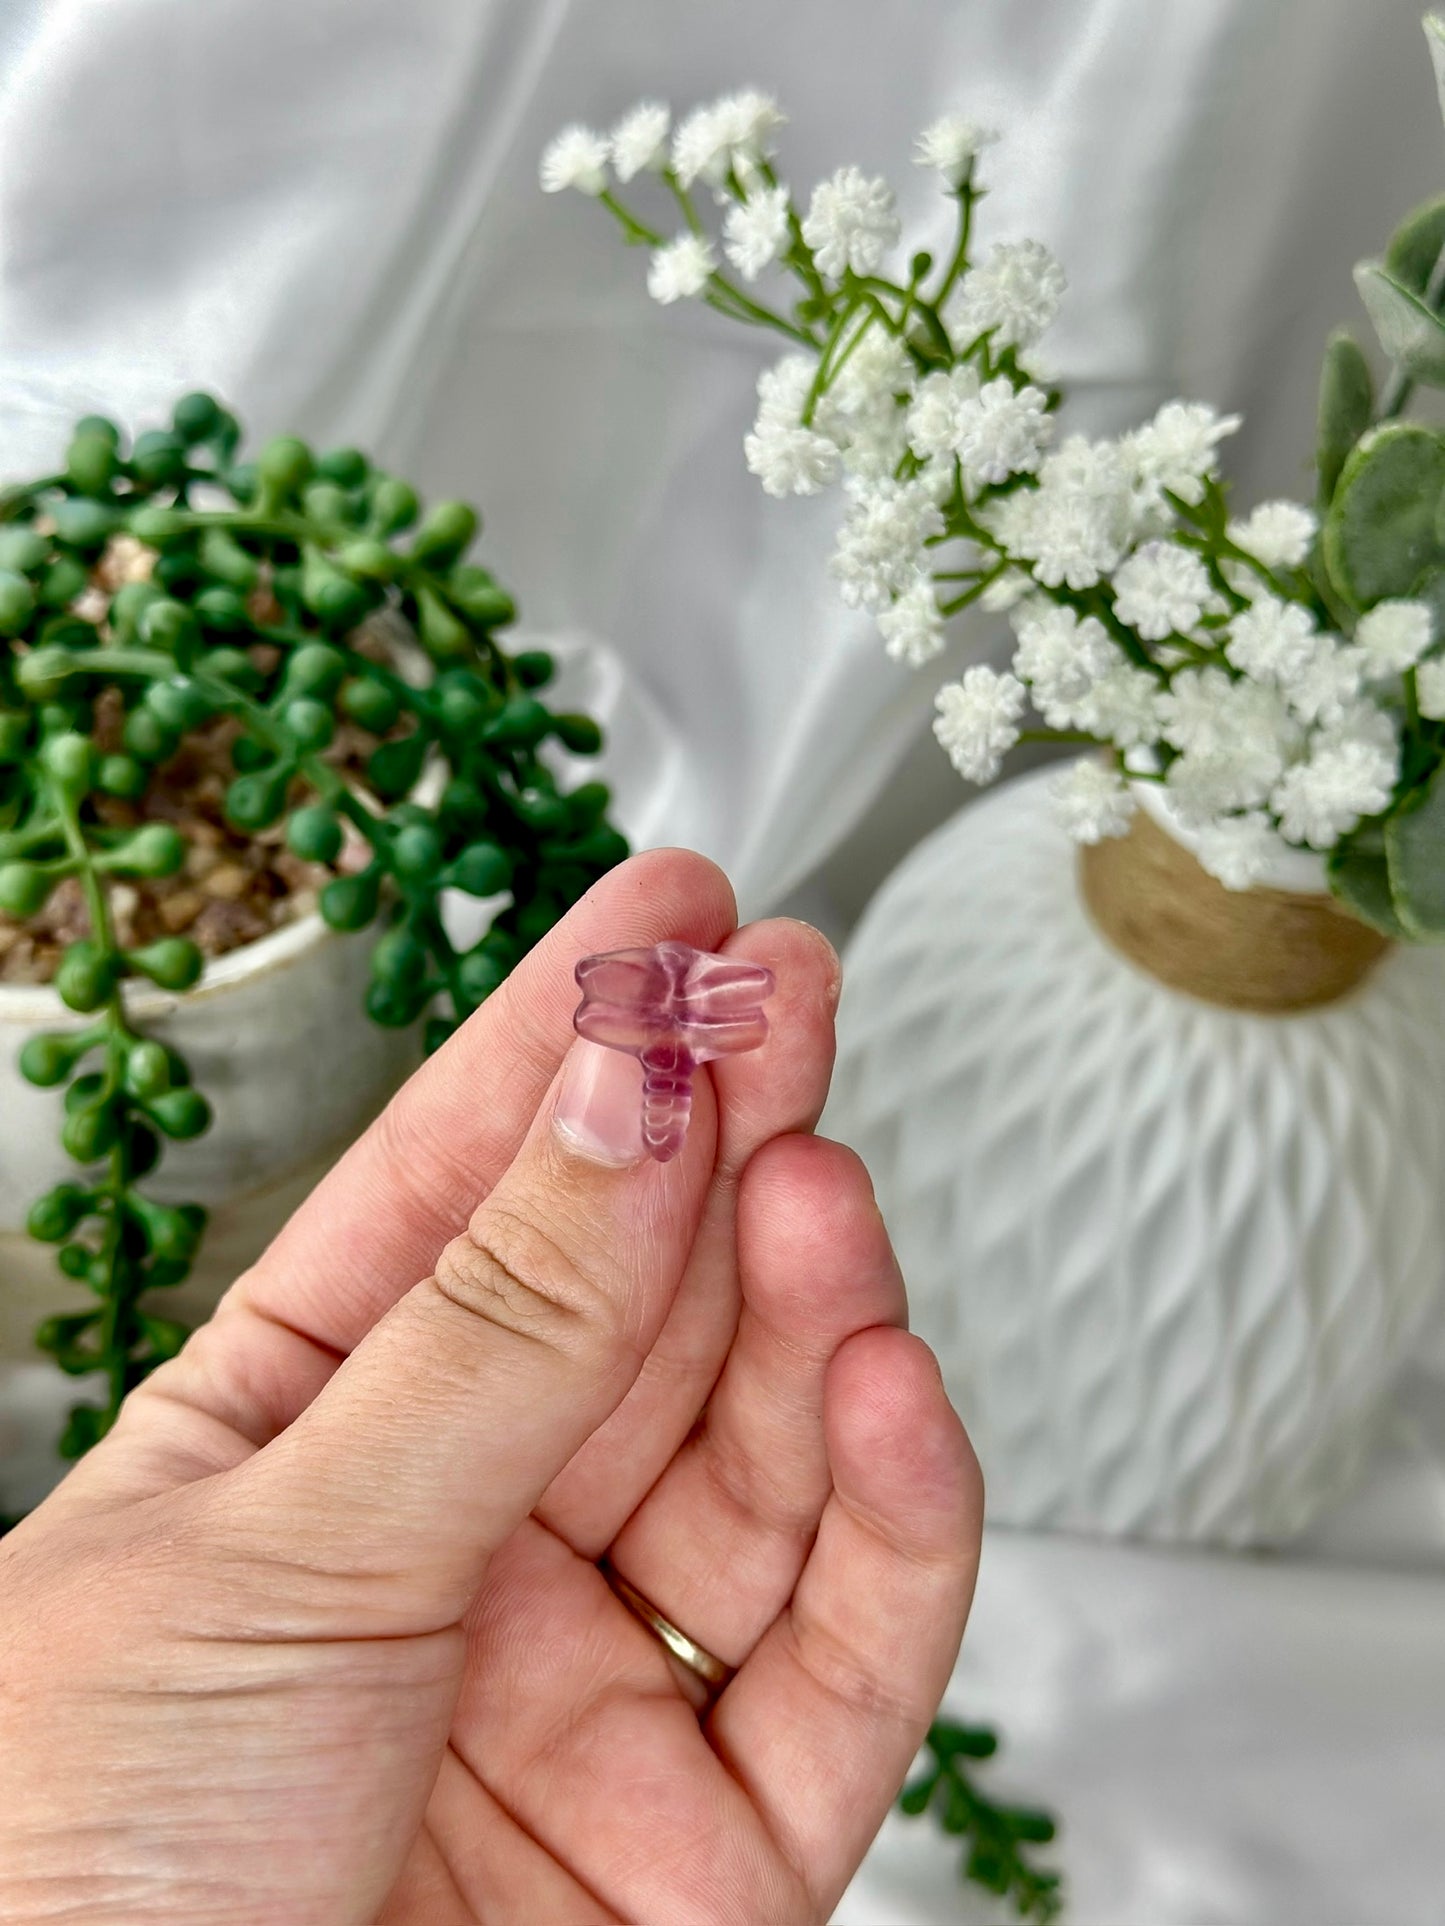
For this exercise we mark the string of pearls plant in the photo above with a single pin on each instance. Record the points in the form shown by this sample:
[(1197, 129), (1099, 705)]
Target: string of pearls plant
[(1280, 675), (255, 581)]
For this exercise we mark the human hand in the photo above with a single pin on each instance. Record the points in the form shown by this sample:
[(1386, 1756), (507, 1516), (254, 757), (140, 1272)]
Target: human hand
[(318, 1634)]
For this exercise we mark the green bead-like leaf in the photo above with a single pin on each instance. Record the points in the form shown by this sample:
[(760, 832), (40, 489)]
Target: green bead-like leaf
[(146, 737), (48, 1058), (195, 417), (580, 734), (147, 1069), (534, 668), (55, 1215), (1412, 335), (309, 723), (178, 705), (521, 723), (479, 973), (394, 768), (24, 549), (83, 524), (447, 532), (88, 1134), (158, 457), (371, 703), (222, 555), (398, 960), (17, 602), (155, 525), (90, 462), (24, 888), (181, 1114), (394, 505), (1379, 535), (255, 800), (482, 869), (170, 625), (1415, 246), (350, 902), (416, 852), (153, 850), (1415, 853), (443, 635), (346, 466), (314, 834), (1346, 404), (283, 466), (172, 962)]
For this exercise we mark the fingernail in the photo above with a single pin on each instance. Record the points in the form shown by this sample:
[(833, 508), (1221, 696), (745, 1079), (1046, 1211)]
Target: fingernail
[(599, 1105)]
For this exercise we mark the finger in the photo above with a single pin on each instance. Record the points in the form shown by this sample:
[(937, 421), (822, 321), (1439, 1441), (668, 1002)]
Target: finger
[(443, 1427), (377, 1221), (718, 1542), (821, 1723), (776, 1090)]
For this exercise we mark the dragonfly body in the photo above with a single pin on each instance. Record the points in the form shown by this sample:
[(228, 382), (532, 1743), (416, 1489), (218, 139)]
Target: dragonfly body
[(671, 1007)]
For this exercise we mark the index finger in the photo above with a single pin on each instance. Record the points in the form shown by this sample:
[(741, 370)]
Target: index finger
[(374, 1225)]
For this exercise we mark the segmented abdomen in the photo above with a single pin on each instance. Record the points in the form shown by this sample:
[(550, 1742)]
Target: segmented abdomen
[(666, 1101)]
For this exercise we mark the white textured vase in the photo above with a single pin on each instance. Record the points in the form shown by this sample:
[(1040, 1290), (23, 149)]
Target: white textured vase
[(1171, 1255)]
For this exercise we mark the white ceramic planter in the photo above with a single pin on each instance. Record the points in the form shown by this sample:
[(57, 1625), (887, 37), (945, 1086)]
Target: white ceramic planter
[(1171, 1255), (276, 1037)]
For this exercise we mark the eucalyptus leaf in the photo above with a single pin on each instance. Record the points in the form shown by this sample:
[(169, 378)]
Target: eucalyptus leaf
[(1379, 534), (1345, 407), (1415, 850), (1412, 335), (1415, 246), (1360, 877)]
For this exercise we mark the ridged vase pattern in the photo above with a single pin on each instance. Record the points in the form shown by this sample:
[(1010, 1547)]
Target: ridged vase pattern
[(1171, 1256)]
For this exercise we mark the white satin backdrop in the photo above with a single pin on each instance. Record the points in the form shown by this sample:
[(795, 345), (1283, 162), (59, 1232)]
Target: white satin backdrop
[(327, 210)]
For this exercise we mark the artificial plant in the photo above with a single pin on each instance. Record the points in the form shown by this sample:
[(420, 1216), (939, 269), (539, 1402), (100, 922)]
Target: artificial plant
[(284, 594)]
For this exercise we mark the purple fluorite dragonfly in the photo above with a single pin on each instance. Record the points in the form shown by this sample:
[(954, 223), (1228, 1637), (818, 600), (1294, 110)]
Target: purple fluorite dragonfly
[(672, 1007)]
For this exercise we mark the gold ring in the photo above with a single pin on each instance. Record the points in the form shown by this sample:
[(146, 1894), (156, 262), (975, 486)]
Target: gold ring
[(686, 1651)]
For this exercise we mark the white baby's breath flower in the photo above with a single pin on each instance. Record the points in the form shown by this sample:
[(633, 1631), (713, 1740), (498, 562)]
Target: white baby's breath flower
[(1002, 432), (1014, 294), (1123, 707), (875, 373), (1236, 739), (1093, 801), (1394, 635), (935, 416), (1161, 590), (732, 133), (755, 231), (880, 544), (1430, 689), (951, 145), (977, 720), (1326, 683), (1076, 525), (1061, 658), (1276, 533), (1178, 449), (1323, 798), (1272, 641), (912, 627), (786, 457), (1239, 850), (850, 222), (639, 140), (577, 157), (679, 270)]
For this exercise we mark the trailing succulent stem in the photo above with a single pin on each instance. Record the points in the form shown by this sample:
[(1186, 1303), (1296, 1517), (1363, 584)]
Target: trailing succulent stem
[(996, 1838), (276, 595)]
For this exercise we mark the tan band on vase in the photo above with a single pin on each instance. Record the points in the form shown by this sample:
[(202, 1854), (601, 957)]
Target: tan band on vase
[(1269, 950)]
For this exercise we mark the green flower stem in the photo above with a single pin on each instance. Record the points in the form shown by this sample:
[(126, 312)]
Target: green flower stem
[(636, 233), (824, 374), (684, 200), (967, 194)]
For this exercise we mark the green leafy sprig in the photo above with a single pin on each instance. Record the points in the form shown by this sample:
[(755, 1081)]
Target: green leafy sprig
[(996, 1837), (265, 578)]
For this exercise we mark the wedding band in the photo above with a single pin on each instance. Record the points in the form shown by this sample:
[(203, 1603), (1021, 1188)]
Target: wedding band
[(685, 1650)]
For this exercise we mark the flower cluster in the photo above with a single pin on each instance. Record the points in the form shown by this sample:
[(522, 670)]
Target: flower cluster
[(1199, 652)]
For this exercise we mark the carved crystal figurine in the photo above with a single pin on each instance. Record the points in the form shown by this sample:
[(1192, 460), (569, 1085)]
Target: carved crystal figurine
[(672, 1007)]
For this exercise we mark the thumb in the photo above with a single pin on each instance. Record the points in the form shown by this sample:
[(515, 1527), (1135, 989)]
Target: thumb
[(440, 1432)]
